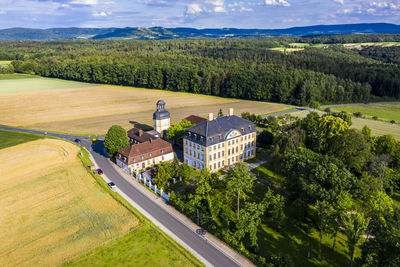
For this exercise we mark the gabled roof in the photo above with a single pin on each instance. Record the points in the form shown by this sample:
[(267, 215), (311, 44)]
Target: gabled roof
[(156, 147), (139, 135), (195, 119)]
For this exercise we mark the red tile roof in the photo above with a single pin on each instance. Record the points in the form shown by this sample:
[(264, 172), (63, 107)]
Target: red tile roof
[(134, 153), (139, 135), (195, 119)]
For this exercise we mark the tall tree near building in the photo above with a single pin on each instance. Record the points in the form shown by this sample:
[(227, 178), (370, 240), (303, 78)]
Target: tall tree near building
[(239, 181), (116, 139), (220, 113)]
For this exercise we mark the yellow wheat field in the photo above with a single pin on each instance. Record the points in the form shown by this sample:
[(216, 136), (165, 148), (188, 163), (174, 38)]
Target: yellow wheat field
[(94, 109), (51, 209)]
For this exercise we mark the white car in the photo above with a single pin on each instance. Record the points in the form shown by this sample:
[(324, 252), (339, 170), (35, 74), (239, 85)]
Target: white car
[(112, 185)]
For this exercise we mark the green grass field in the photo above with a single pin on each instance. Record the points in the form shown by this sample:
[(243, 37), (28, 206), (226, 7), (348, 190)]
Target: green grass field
[(5, 62), (265, 171), (138, 248), (8, 139), (383, 112), (17, 76), (38, 84)]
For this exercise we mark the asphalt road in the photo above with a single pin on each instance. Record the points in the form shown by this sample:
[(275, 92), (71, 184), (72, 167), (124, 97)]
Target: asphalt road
[(213, 255)]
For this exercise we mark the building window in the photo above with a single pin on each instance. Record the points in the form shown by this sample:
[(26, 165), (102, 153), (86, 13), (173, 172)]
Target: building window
[(229, 152), (223, 153), (150, 155), (119, 155), (162, 158), (198, 147), (142, 157), (215, 156), (210, 167), (219, 146), (210, 157), (134, 160), (223, 162), (186, 142), (219, 164), (237, 158), (215, 165), (229, 161), (229, 143), (162, 151), (223, 144), (219, 154), (237, 149)]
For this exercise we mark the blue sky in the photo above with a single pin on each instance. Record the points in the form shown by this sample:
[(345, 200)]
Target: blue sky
[(194, 13)]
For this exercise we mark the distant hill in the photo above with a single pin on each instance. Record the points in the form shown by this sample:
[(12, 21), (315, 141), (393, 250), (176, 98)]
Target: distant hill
[(13, 34)]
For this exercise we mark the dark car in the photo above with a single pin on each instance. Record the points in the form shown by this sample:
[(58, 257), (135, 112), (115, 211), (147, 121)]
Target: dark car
[(99, 171), (112, 185), (77, 140), (366, 103)]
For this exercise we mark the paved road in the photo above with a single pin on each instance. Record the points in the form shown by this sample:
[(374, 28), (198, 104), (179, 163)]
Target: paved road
[(193, 240)]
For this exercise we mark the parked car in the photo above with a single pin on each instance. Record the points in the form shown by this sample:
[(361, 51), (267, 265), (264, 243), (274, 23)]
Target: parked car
[(366, 103), (99, 171), (78, 141), (112, 185)]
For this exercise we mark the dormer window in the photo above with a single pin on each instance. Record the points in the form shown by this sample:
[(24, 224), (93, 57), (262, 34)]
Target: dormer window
[(162, 151), (142, 157), (150, 155), (119, 155), (134, 160)]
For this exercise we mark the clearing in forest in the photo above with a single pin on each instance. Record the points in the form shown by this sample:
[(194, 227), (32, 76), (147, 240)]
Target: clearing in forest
[(51, 209), (385, 112), (92, 110), (378, 128)]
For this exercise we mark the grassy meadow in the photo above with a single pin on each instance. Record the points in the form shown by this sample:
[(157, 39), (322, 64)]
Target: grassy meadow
[(378, 128), (8, 139), (67, 106), (385, 112), (5, 62), (141, 247), (15, 76)]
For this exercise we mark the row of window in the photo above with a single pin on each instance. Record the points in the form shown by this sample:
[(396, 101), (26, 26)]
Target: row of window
[(194, 154), (217, 165), (194, 145)]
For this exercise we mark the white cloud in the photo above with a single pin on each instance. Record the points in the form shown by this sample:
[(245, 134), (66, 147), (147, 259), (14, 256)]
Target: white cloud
[(339, 1), (84, 2), (277, 3), (193, 8), (99, 14)]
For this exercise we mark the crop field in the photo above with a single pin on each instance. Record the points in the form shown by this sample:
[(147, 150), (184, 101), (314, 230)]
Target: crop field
[(383, 44), (93, 109), (10, 86), (51, 209), (378, 128), (383, 112)]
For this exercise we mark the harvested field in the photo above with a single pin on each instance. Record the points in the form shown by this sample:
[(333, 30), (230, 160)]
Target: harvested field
[(93, 110), (51, 209), (378, 128), (11, 86)]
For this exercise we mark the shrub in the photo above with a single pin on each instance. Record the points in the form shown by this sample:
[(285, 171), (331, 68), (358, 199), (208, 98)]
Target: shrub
[(392, 121), (328, 110), (375, 117), (357, 114)]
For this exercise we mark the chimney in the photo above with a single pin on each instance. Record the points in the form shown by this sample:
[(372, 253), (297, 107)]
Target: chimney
[(210, 116), (230, 113), (140, 133)]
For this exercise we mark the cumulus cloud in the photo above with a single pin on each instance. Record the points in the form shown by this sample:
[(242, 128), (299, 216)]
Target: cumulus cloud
[(193, 8), (277, 3)]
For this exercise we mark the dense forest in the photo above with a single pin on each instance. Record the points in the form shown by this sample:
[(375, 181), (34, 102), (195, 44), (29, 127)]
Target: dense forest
[(238, 68)]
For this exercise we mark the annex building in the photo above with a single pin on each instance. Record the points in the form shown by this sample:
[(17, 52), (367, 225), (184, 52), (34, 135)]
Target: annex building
[(219, 142), (147, 148)]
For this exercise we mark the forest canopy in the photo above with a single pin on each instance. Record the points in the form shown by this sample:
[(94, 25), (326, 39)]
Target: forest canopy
[(237, 68)]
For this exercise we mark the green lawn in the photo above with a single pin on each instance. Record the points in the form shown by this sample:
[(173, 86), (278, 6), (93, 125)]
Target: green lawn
[(261, 153), (16, 76), (5, 62), (38, 84), (266, 172), (145, 246), (8, 139), (383, 112)]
